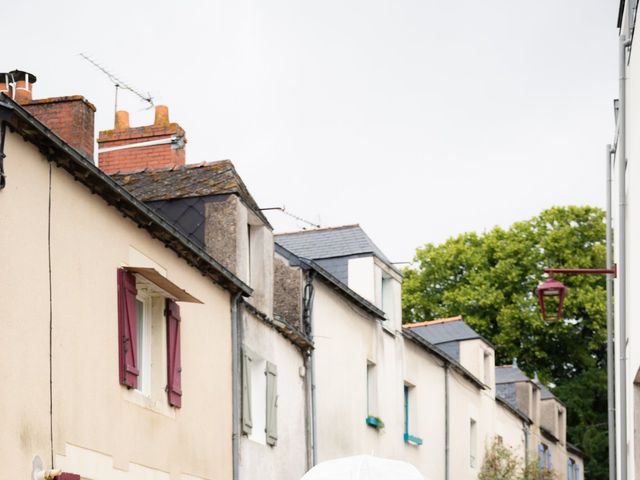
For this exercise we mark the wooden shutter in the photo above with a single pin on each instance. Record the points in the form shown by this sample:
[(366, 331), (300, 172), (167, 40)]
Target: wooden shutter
[(174, 365), (127, 321), (247, 424), (68, 476), (272, 404)]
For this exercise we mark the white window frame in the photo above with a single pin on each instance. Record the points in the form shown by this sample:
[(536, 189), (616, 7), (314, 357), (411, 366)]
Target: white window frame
[(144, 344)]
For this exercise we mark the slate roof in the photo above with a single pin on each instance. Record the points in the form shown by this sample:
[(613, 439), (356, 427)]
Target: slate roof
[(545, 393), (343, 241), (444, 331), (192, 180), (510, 374)]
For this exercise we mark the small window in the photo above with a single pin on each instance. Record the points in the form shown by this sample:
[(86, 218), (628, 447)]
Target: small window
[(371, 390), (409, 415), (259, 399), (488, 367), (544, 457), (473, 443), (149, 334)]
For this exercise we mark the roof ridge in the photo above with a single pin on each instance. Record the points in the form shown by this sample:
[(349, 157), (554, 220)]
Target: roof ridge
[(433, 322), (321, 229)]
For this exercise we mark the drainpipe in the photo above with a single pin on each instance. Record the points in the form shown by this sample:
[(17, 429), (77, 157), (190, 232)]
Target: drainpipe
[(611, 399), (236, 351), (446, 421), (622, 263), (3, 133), (525, 429), (307, 322)]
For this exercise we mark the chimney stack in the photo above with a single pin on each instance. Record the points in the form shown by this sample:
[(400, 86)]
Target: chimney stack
[(125, 148), (71, 118)]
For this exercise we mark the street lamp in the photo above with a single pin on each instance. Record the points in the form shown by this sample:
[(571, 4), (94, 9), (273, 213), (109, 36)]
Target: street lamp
[(555, 288)]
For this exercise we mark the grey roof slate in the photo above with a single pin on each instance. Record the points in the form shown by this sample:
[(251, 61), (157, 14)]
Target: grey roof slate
[(510, 374), (445, 332), (185, 181), (344, 241)]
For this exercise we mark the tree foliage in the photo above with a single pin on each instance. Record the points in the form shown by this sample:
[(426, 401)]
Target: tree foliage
[(489, 278)]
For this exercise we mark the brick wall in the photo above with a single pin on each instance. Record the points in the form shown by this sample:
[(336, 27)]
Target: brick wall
[(164, 155), (71, 118)]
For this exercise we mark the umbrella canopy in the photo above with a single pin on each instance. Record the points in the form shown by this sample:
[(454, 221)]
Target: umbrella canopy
[(363, 467)]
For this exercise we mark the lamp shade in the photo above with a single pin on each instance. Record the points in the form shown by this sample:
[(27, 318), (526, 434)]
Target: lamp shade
[(551, 288)]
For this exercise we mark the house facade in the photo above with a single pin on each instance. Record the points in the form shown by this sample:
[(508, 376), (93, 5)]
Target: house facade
[(116, 335), (427, 393)]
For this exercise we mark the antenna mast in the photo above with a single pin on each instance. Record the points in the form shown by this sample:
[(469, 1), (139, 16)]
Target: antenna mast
[(118, 83)]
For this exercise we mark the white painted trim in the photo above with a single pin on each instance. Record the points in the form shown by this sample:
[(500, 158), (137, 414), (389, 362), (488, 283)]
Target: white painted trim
[(150, 143)]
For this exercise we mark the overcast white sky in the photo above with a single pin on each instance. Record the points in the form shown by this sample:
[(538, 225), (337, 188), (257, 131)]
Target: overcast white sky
[(418, 119)]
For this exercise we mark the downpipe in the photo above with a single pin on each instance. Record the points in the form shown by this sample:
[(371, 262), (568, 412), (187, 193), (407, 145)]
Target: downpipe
[(307, 319), (447, 435), (611, 399), (236, 350), (625, 42)]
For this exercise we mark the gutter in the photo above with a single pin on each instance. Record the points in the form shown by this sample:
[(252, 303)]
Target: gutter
[(98, 182)]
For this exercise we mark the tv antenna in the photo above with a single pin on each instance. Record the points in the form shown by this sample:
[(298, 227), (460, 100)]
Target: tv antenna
[(118, 83)]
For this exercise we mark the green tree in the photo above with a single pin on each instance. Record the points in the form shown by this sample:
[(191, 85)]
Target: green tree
[(489, 278)]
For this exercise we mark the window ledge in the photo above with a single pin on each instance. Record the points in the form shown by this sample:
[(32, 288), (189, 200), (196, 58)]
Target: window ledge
[(144, 401), (412, 440), (374, 422)]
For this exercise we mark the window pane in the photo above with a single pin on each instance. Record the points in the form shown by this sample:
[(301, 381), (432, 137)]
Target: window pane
[(139, 341)]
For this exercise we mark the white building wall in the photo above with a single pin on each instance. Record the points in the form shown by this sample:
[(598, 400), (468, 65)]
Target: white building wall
[(632, 261), (286, 460)]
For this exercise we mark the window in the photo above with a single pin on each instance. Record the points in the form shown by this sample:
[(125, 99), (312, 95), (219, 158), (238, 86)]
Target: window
[(488, 366), (259, 399), (146, 308), (372, 418), (544, 457), (409, 409), (371, 389), (573, 470), (473, 443)]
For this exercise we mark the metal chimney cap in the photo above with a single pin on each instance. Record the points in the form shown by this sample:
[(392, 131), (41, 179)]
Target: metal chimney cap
[(19, 75)]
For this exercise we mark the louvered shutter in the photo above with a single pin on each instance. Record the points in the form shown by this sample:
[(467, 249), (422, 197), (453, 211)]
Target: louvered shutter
[(247, 424), (127, 321), (174, 365), (577, 472), (272, 404), (549, 466)]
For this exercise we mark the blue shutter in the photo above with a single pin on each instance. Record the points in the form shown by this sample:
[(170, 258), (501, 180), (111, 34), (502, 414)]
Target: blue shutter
[(548, 464), (406, 409), (541, 456), (576, 475), (569, 470)]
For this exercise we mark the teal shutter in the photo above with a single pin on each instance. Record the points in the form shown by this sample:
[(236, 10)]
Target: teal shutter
[(246, 393), (272, 404)]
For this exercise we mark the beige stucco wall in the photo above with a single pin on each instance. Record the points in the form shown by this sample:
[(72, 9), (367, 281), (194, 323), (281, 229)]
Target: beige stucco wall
[(93, 415), (286, 460)]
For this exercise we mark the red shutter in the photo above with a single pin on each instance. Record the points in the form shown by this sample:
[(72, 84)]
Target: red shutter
[(68, 476), (127, 317), (174, 366)]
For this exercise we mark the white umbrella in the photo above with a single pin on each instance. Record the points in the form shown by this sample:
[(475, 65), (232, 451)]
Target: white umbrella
[(363, 467)]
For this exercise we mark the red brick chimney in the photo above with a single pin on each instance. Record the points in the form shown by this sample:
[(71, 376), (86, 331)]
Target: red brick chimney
[(160, 145), (71, 118)]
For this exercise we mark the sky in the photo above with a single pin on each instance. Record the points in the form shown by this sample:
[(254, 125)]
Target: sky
[(417, 119)]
